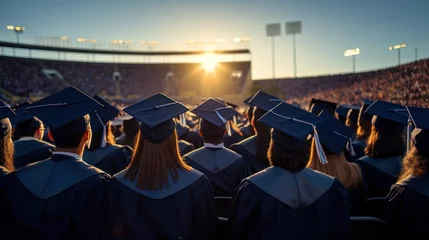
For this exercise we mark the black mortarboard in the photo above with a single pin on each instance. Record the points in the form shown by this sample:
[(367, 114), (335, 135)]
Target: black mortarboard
[(342, 110), (334, 134), (103, 115), (317, 105), (156, 114), (353, 113), (22, 115), (264, 101), (5, 113), (214, 112), (246, 101), (226, 103), (63, 107), (388, 116), (362, 111), (294, 122), (420, 135)]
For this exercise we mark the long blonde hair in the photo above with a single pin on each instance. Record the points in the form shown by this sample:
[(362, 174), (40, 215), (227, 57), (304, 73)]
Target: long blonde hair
[(349, 174), (152, 163)]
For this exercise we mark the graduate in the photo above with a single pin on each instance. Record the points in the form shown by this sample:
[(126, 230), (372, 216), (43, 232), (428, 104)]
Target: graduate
[(288, 200), (408, 206), (103, 153), (385, 148), (224, 168), (336, 139), (247, 129), (29, 132), (186, 134), (158, 196), (318, 105), (61, 197), (363, 131), (6, 145), (185, 147), (254, 149), (352, 119), (342, 111), (130, 128)]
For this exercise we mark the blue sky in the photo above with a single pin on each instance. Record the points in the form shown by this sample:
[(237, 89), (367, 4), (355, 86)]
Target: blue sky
[(329, 27)]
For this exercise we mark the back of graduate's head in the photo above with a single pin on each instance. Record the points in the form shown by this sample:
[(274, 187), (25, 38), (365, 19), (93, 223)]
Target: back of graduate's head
[(364, 124), (352, 119), (130, 128), (415, 163), (386, 139), (288, 152), (347, 173), (211, 133), (6, 144), (263, 135), (73, 135), (97, 137), (154, 158), (33, 127)]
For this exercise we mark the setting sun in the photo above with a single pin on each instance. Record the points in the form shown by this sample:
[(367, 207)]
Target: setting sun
[(209, 62)]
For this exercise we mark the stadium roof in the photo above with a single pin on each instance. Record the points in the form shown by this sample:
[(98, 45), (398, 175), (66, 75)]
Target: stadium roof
[(100, 51)]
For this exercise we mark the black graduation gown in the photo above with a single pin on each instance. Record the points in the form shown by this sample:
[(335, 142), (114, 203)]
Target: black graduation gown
[(3, 220), (185, 147), (224, 168), (184, 210), (247, 131), (234, 138), (378, 174), (58, 198), (277, 204), (29, 151), (247, 148), (407, 210), (111, 159), (359, 148)]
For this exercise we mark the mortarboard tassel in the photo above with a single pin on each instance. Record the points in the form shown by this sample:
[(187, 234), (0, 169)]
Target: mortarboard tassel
[(234, 120), (350, 148), (408, 134), (182, 120), (319, 148), (228, 128), (103, 137)]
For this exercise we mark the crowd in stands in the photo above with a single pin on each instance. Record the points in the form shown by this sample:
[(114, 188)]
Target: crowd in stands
[(25, 77)]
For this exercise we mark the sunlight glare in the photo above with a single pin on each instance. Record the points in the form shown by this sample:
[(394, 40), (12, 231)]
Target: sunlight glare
[(209, 62)]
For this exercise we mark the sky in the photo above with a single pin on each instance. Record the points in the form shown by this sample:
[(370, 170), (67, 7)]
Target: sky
[(329, 27)]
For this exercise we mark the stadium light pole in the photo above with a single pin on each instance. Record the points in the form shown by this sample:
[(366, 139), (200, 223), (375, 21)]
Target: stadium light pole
[(272, 31), (17, 29), (352, 53), (398, 47), (294, 28)]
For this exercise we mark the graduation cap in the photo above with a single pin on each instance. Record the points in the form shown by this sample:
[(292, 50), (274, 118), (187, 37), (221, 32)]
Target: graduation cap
[(335, 135), (63, 107), (420, 135), (100, 117), (215, 113), (317, 105), (296, 123), (388, 116), (247, 100), (342, 110), (362, 114), (264, 101), (22, 115), (156, 114), (5, 113)]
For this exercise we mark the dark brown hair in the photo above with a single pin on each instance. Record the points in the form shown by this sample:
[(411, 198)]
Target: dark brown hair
[(263, 136), (152, 163), (414, 163), (383, 144), (292, 161)]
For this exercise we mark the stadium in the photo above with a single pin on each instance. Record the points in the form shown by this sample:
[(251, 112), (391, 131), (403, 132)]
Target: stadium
[(182, 120)]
